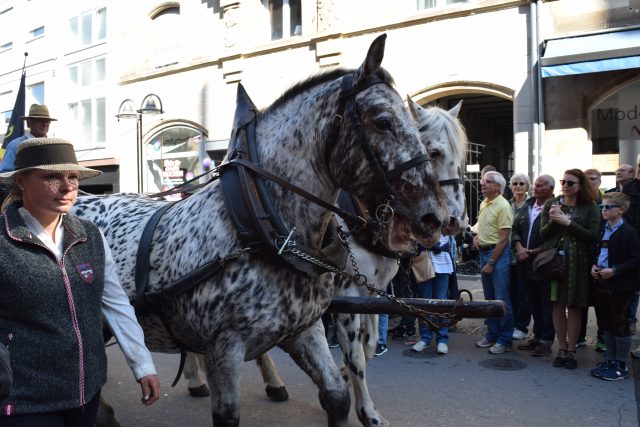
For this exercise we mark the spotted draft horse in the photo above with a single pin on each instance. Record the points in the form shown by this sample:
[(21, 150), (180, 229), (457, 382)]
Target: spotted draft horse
[(254, 303), (445, 140)]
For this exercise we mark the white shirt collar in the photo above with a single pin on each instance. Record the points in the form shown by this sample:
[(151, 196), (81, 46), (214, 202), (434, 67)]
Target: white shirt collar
[(38, 230)]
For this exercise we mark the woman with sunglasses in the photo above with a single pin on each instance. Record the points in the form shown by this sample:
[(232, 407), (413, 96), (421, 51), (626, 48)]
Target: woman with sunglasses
[(58, 280), (519, 184), (571, 222)]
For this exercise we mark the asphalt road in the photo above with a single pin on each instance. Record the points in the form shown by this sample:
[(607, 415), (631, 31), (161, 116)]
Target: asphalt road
[(467, 387)]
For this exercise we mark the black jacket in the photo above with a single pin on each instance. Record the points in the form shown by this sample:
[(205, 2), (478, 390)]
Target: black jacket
[(520, 233), (624, 256)]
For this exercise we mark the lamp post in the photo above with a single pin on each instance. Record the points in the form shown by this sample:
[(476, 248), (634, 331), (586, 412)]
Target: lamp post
[(151, 104)]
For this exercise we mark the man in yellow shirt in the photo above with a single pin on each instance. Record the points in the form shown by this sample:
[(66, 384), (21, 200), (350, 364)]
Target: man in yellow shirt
[(492, 241)]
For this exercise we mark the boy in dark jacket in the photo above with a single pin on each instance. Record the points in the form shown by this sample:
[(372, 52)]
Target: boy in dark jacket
[(615, 271)]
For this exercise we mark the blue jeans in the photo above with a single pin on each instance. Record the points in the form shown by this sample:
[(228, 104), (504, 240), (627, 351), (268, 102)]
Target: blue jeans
[(634, 309), (436, 288), (496, 287), (383, 326)]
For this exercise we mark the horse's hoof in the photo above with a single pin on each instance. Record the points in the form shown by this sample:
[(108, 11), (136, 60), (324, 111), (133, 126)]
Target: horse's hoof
[(277, 394), (202, 391)]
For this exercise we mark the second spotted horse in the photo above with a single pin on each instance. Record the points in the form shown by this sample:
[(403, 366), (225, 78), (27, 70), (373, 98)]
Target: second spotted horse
[(445, 140)]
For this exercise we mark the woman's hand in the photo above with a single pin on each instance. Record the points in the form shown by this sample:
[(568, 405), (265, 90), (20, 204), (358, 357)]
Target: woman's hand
[(521, 253), (557, 216), (150, 386)]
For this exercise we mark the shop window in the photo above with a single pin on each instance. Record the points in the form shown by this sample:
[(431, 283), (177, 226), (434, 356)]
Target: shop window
[(172, 157)]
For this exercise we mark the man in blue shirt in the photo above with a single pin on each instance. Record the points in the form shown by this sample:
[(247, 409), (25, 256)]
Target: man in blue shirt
[(38, 122)]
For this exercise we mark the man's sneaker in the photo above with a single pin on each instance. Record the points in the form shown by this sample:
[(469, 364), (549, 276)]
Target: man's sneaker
[(528, 345), (518, 334), (380, 349), (560, 359), (581, 343), (484, 343), (636, 353), (443, 348), (571, 362), (601, 367), (541, 350), (420, 346), (498, 348), (601, 347), (615, 373)]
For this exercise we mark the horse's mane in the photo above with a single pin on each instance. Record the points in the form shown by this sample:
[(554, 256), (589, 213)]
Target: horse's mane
[(440, 119), (316, 80)]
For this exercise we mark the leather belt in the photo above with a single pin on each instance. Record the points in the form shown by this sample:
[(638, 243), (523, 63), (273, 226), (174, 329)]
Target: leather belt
[(487, 247)]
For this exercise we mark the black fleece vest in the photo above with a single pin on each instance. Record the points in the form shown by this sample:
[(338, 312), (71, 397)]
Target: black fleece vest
[(53, 310)]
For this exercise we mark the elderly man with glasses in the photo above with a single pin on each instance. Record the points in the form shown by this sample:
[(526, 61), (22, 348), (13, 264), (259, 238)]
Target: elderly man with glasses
[(624, 174)]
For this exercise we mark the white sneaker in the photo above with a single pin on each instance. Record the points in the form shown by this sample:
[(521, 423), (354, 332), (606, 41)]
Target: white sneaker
[(420, 346), (484, 343), (442, 348), (519, 335), (500, 349)]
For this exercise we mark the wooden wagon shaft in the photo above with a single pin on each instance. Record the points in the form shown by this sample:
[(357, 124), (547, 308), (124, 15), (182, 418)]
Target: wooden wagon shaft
[(374, 305)]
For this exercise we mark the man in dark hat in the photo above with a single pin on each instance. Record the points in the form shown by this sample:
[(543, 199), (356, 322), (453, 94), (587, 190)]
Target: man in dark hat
[(38, 122)]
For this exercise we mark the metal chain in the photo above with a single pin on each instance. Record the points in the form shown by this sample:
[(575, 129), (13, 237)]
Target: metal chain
[(359, 279)]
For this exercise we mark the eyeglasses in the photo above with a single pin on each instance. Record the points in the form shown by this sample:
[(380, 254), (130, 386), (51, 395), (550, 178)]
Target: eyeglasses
[(55, 181), (518, 183), (609, 207), (568, 183)]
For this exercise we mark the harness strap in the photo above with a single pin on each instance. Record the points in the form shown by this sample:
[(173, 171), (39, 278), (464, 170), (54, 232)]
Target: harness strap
[(406, 166), (451, 181), (352, 220), (338, 118), (142, 258)]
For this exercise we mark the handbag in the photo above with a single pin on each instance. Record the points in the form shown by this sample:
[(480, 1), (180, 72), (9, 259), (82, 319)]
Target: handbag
[(550, 263), (6, 374), (422, 267)]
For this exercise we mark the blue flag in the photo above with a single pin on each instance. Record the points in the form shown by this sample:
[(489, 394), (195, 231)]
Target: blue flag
[(16, 124)]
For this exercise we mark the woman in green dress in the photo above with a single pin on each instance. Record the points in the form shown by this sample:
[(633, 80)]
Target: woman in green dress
[(571, 222)]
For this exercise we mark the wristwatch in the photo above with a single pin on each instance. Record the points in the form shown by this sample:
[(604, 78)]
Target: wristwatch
[(491, 262)]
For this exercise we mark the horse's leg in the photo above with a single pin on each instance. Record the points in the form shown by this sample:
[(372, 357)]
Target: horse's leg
[(353, 335), (310, 351), (222, 363), (275, 387), (195, 384)]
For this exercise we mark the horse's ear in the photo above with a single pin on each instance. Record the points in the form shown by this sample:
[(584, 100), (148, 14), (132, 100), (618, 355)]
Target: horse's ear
[(413, 108), (372, 61), (456, 109)]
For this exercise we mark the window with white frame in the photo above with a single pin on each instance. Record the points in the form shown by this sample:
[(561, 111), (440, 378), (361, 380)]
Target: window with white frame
[(35, 94), (88, 117), (87, 73), (430, 4), (36, 32), (285, 18), (89, 27)]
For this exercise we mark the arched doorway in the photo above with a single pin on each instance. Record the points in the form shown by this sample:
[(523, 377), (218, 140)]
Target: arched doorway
[(172, 155)]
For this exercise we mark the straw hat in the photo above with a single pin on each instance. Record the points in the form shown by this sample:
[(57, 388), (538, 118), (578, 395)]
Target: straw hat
[(38, 112), (50, 154)]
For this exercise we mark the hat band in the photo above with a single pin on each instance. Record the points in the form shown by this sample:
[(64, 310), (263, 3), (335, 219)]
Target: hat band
[(41, 155)]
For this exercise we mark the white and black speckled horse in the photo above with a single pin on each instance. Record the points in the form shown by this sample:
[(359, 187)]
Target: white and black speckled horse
[(254, 304), (446, 142)]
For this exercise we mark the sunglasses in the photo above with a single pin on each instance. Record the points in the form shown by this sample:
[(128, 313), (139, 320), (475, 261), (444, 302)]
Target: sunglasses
[(518, 183), (568, 183), (609, 207)]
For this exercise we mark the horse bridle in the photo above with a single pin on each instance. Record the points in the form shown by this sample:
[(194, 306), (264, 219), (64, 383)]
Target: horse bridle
[(347, 99)]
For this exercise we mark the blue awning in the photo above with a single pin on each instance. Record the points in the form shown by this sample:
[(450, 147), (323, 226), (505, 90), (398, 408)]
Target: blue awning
[(591, 54)]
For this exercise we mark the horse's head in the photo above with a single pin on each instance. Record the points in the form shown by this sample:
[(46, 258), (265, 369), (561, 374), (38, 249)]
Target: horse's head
[(446, 142), (378, 157)]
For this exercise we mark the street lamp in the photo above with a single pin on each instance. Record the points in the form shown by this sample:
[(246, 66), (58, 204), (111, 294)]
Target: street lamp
[(151, 104)]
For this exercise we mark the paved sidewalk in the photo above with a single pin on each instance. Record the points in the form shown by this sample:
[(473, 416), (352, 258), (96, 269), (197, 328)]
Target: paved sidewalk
[(467, 387)]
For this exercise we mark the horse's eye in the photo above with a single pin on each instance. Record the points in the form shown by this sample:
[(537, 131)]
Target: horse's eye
[(383, 124), (435, 154)]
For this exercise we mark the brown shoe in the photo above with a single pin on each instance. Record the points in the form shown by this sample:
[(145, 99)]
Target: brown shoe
[(541, 350), (529, 345)]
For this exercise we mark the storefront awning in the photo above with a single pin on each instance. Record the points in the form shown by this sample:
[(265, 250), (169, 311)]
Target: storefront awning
[(591, 54)]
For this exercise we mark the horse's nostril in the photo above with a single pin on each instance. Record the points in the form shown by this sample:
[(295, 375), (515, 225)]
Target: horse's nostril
[(431, 220)]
